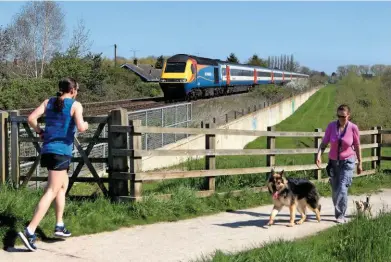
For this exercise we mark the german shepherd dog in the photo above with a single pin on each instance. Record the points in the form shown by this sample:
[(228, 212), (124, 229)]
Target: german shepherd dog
[(294, 193)]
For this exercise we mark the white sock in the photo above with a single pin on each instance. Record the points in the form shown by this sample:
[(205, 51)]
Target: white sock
[(30, 231), (60, 224)]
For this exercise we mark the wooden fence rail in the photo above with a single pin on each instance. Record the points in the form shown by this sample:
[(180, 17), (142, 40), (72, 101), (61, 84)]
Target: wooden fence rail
[(124, 161)]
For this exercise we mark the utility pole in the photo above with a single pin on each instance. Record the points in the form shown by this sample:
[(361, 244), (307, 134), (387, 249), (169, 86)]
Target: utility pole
[(115, 55), (134, 52)]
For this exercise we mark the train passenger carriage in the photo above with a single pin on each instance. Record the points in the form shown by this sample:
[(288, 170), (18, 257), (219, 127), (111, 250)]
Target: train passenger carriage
[(192, 77)]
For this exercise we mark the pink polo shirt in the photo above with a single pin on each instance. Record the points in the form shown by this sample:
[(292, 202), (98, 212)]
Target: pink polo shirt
[(351, 138)]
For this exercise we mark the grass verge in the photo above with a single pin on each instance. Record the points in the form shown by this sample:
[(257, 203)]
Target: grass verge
[(360, 240), (99, 215)]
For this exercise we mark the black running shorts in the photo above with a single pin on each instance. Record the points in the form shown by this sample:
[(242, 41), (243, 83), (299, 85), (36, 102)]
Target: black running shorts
[(55, 162)]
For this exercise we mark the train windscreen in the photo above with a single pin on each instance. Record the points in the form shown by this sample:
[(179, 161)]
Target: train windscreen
[(175, 68)]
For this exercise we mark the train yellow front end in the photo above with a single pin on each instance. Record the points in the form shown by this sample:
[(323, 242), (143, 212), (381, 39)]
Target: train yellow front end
[(178, 76)]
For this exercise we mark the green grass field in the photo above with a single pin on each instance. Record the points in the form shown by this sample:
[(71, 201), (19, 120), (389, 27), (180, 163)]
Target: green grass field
[(358, 241)]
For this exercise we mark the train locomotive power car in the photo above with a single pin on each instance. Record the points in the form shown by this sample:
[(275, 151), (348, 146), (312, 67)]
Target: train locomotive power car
[(191, 77)]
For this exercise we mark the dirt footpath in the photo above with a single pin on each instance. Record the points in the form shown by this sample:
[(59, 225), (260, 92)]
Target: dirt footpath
[(187, 239)]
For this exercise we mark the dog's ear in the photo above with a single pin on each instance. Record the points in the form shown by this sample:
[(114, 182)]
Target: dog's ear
[(282, 173)]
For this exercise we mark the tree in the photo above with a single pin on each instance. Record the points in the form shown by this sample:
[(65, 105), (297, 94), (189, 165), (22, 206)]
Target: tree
[(256, 61), (363, 69), (160, 62), (292, 65), (305, 70), (36, 34), (80, 43), (232, 58), (342, 71), (353, 69), (5, 47), (378, 69)]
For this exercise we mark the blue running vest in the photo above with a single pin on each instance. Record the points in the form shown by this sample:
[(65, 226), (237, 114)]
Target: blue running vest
[(60, 129)]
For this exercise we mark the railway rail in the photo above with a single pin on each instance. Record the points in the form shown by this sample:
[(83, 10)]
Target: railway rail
[(102, 108)]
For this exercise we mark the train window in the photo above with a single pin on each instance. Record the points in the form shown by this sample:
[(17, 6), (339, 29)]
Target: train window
[(175, 67), (263, 74)]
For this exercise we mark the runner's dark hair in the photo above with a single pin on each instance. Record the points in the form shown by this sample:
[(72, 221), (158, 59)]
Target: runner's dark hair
[(65, 86)]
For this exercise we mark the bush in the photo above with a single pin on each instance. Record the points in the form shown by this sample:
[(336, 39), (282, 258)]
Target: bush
[(369, 100), (25, 93)]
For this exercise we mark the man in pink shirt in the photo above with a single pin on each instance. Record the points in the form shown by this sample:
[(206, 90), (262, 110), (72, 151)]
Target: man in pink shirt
[(344, 139)]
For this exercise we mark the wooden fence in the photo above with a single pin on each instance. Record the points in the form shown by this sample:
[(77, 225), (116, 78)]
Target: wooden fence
[(124, 161)]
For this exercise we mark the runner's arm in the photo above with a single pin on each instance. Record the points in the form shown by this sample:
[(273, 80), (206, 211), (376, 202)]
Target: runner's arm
[(37, 113), (78, 116)]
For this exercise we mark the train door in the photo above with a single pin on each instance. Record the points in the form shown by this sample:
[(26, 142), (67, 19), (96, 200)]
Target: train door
[(216, 72), (228, 75), (255, 76)]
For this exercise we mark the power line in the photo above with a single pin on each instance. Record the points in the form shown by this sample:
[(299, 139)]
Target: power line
[(134, 52)]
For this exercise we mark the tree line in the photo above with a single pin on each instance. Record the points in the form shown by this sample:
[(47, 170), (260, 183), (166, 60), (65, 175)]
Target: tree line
[(363, 70), (34, 56), (282, 62)]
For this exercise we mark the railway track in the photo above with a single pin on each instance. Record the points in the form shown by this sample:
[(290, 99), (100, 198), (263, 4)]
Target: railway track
[(102, 108)]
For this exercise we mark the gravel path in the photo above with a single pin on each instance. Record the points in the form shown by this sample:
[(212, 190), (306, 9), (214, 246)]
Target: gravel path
[(187, 239)]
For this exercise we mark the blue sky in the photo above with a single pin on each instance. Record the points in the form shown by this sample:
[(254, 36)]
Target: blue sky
[(321, 35)]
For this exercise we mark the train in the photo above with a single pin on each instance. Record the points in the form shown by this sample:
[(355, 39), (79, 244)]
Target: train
[(192, 77)]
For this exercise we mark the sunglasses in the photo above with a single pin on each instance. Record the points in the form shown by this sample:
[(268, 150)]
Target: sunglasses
[(341, 116)]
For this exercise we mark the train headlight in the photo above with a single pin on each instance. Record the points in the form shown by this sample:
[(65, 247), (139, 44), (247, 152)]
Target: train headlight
[(183, 80), (163, 80)]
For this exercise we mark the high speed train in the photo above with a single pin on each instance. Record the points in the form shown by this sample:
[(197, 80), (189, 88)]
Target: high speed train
[(191, 77)]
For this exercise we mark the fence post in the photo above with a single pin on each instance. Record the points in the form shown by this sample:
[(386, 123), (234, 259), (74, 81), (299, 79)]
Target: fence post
[(235, 114), (226, 118), (379, 139), (135, 162), (118, 187), (374, 150), (210, 161), (3, 147), (15, 168), (317, 142), (271, 144)]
